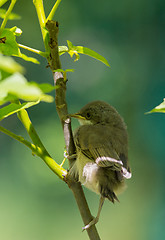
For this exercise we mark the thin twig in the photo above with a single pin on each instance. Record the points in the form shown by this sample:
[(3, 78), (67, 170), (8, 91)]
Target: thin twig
[(43, 54), (54, 8)]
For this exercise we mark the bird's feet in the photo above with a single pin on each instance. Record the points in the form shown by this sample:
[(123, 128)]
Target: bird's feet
[(93, 222)]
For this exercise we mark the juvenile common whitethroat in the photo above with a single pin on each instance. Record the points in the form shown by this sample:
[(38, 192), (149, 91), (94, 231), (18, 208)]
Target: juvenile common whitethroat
[(101, 152)]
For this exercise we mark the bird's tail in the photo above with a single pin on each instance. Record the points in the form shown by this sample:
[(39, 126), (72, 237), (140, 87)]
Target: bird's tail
[(107, 193)]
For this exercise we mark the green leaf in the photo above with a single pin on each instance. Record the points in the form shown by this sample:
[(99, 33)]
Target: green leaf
[(8, 64), (62, 49), (70, 45), (17, 87), (10, 46), (72, 51), (92, 53), (14, 108), (12, 16), (26, 58), (160, 108), (83, 50)]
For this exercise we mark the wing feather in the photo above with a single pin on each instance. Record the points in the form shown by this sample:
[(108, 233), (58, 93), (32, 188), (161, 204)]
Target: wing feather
[(105, 145)]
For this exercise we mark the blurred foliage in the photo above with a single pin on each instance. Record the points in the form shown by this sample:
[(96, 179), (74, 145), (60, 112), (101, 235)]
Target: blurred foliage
[(12, 16), (34, 203)]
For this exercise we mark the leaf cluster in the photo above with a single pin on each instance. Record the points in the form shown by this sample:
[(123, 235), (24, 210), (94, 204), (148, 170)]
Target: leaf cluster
[(16, 87)]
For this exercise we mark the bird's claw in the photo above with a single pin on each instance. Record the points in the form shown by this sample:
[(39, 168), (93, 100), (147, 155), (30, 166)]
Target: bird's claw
[(93, 222), (72, 157)]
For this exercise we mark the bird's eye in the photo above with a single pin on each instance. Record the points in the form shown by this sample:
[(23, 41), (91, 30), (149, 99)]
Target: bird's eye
[(88, 115)]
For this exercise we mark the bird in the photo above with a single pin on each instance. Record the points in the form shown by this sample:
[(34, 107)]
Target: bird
[(101, 143)]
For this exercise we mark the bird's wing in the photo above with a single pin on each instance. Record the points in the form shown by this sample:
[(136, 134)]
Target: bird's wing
[(103, 146)]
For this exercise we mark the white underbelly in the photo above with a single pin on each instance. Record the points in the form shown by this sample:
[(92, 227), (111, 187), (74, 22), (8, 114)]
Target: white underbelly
[(89, 177), (87, 172)]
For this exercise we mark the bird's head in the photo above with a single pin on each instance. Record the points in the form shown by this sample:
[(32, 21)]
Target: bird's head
[(98, 112)]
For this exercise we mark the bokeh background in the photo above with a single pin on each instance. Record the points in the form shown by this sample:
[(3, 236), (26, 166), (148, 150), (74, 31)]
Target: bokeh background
[(34, 203)]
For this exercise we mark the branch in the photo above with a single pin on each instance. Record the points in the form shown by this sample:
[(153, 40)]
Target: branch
[(40, 150), (42, 20), (62, 111), (57, 169), (24, 118)]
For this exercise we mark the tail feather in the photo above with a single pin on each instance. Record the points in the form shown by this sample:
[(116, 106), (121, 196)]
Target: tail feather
[(112, 197), (107, 193)]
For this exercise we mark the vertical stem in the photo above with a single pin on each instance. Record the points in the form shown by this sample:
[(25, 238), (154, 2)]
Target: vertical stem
[(53, 28), (40, 12), (13, 2), (42, 19), (62, 110)]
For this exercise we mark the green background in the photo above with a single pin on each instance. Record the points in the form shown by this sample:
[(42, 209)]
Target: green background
[(34, 203)]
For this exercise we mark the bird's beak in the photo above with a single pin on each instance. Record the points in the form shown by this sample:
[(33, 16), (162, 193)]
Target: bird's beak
[(77, 115)]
